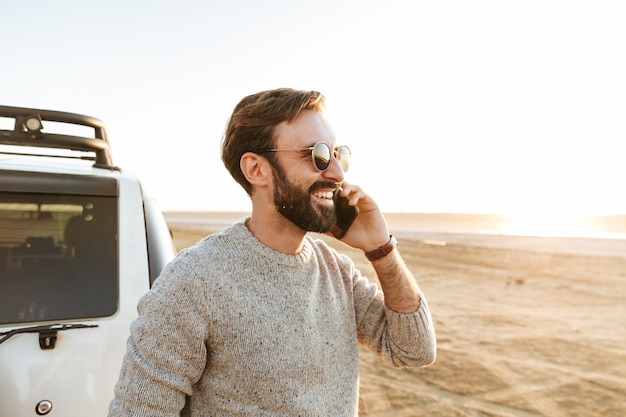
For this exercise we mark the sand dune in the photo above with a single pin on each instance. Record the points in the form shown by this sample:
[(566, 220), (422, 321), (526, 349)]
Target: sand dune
[(526, 326)]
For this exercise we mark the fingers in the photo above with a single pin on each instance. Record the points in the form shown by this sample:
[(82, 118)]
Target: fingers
[(354, 192), (357, 197)]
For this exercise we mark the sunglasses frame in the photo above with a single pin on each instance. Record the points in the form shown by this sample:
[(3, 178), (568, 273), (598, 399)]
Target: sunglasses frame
[(336, 153)]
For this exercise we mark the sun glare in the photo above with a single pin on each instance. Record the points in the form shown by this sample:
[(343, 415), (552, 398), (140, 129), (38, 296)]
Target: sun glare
[(547, 224)]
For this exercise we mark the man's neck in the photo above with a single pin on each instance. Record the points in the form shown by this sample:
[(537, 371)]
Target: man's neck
[(276, 232)]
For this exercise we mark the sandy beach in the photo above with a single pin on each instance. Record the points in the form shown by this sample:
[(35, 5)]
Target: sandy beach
[(526, 326)]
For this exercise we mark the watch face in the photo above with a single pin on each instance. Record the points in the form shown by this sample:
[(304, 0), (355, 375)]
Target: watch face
[(33, 124)]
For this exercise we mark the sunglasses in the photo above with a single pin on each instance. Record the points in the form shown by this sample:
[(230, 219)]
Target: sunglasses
[(321, 155)]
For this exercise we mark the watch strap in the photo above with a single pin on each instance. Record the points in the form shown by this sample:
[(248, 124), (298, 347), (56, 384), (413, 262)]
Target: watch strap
[(383, 251)]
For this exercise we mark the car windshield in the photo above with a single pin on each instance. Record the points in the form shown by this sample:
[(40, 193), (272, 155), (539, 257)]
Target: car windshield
[(58, 257)]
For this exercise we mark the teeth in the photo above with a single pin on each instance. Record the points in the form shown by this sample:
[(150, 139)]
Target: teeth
[(324, 194)]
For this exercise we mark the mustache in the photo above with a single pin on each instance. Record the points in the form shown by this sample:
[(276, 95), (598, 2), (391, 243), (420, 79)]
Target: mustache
[(323, 184)]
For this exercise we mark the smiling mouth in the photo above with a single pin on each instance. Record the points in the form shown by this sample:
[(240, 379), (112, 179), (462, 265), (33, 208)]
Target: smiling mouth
[(325, 195)]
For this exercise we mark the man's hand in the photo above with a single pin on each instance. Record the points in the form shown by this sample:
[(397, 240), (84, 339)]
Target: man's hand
[(369, 230)]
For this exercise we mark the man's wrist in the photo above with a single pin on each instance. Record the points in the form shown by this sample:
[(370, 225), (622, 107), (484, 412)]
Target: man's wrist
[(382, 251)]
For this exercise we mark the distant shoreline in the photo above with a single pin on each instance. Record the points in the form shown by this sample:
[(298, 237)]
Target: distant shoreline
[(442, 228), (610, 226)]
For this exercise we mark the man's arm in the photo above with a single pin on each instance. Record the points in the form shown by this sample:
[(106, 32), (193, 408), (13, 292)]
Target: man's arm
[(401, 328), (401, 291), (403, 338), (369, 233), (166, 353)]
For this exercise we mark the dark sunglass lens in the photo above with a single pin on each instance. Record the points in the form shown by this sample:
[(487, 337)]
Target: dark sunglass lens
[(321, 156), (344, 156)]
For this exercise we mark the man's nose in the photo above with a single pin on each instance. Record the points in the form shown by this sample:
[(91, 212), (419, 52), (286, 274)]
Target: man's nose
[(334, 172)]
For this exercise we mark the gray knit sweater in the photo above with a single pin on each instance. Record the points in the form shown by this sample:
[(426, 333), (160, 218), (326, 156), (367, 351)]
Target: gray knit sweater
[(234, 328)]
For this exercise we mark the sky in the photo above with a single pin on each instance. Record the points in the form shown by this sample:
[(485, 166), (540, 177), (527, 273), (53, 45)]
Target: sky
[(515, 107)]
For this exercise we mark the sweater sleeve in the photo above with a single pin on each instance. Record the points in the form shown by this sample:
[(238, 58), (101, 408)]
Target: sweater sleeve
[(405, 340), (166, 352)]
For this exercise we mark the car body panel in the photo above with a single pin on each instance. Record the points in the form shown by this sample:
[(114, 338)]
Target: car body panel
[(78, 374)]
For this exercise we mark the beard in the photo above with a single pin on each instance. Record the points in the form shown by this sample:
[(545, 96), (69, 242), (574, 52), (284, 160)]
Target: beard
[(294, 203)]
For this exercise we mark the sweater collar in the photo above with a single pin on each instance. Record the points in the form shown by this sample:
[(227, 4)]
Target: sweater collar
[(252, 245)]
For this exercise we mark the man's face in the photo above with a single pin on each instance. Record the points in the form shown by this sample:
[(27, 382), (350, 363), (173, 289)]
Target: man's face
[(302, 193)]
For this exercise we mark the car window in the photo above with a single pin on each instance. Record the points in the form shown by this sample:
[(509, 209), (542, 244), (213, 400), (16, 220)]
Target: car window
[(58, 257)]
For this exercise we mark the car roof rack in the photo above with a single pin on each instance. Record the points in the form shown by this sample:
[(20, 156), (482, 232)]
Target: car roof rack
[(27, 131)]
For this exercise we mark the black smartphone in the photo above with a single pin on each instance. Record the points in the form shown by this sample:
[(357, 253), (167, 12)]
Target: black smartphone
[(345, 215)]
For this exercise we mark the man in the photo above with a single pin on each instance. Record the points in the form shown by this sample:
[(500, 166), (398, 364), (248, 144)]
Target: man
[(262, 319)]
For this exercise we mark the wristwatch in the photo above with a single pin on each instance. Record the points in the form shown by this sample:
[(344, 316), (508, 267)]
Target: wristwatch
[(383, 251)]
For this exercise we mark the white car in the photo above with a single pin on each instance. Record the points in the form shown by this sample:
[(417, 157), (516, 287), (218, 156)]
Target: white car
[(79, 244)]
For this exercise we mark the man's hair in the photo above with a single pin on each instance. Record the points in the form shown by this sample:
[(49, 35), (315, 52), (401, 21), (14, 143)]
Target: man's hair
[(252, 124)]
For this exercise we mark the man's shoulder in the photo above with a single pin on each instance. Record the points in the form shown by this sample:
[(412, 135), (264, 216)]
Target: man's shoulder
[(219, 242), (326, 252)]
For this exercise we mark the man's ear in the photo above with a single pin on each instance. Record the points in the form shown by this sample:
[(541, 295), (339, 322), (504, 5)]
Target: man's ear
[(256, 169)]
